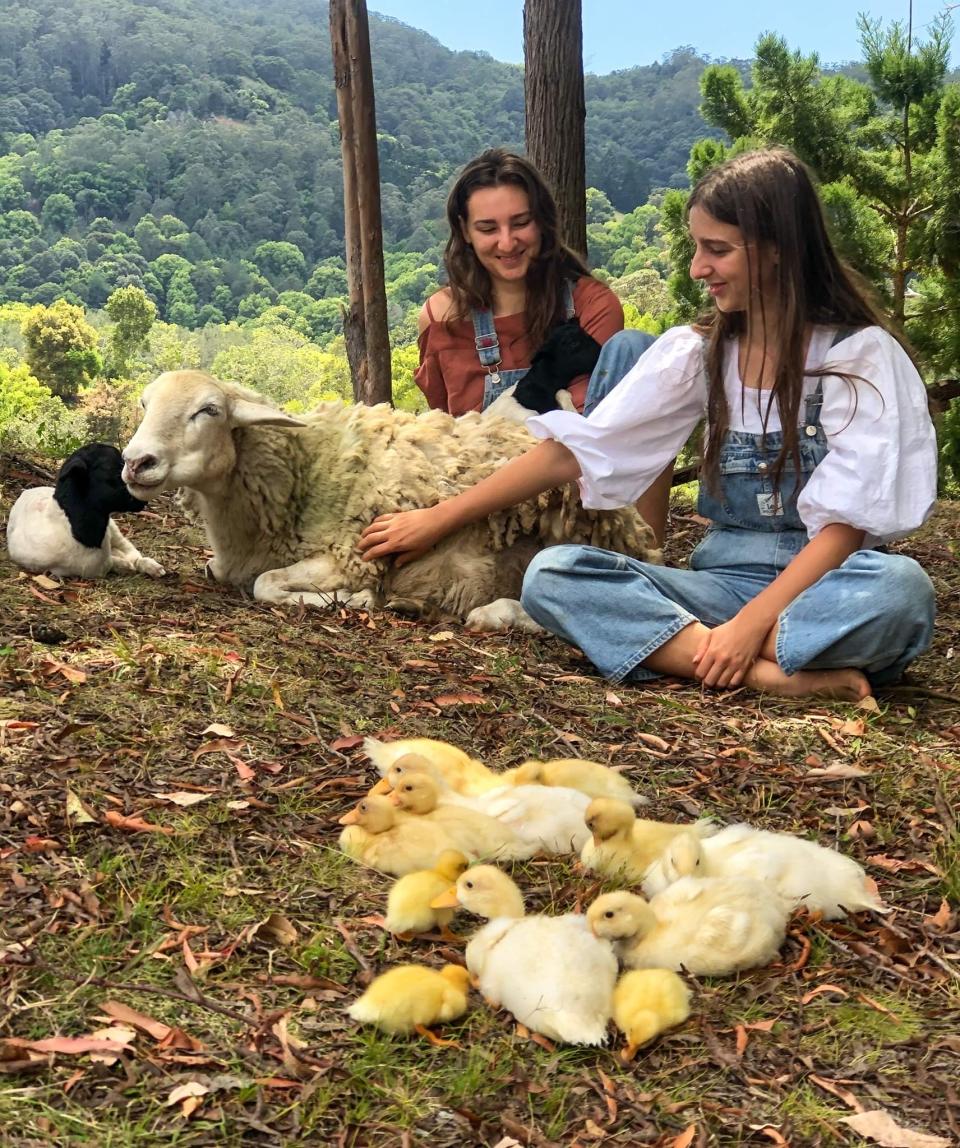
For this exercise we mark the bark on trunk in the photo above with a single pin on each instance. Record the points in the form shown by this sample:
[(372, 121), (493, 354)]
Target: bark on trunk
[(556, 109)]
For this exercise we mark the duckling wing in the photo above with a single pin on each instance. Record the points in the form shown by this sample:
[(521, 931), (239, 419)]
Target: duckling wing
[(548, 818)]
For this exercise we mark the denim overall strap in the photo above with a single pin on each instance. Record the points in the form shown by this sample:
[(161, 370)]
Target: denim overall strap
[(486, 341), (569, 311)]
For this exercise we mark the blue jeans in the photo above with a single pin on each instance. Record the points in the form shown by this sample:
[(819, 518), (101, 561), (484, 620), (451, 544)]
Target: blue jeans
[(874, 613), (617, 356)]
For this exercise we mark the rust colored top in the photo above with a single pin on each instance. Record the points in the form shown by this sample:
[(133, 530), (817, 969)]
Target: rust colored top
[(450, 373)]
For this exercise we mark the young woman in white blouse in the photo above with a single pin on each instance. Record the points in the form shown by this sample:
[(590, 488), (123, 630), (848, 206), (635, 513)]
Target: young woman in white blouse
[(819, 450)]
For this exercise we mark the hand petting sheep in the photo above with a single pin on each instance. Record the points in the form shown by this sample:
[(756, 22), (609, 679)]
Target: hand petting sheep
[(67, 530)]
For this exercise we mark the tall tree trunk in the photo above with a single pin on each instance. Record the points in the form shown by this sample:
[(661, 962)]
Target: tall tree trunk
[(365, 321), (556, 109)]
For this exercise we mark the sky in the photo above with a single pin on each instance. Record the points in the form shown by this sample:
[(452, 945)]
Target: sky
[(626, 33)]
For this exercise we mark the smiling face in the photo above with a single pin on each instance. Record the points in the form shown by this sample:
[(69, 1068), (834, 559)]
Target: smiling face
[(736, 274), (502, 231)]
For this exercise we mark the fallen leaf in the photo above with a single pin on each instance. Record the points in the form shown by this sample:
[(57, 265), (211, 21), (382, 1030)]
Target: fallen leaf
[(181, 797), (134, 824), (77, 812), (879, 1125), (220, 745), (35, 844), (459, 699), (685, 1139), (71, 673), (657, 743), (218, 730), (611, 699), (183, 1091), (120, 1033), (348, 742), (869, 703), (155, 1028), (896, 865), (69, 1045), (245, 772), (853, 727), (941, 918), (240, 804), (292, 1064), (277, 928), (441, 636), (838, 769), (831, 1086)]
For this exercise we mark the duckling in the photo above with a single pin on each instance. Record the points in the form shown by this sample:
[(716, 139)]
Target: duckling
[(547, 819), (802, 872), (646, 1002), (380, 837), (409, 997), (624, 845), (550, 972), (408, 902), (460, 771), (590, 777), (710, 926), (471, 831)]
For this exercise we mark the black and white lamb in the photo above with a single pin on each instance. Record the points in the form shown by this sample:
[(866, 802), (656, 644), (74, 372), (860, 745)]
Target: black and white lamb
[(67, 529), (567, 353)]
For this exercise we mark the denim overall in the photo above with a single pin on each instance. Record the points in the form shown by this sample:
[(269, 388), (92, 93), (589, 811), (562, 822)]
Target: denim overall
[(495, 381), (875, 612)]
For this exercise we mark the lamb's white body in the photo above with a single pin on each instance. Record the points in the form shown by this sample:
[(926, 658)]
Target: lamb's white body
[(284, 508), (39, 540)]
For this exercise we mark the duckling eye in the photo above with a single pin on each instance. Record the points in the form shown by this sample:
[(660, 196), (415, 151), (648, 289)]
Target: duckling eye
[(363, 807), (609, 914), (468, 884)]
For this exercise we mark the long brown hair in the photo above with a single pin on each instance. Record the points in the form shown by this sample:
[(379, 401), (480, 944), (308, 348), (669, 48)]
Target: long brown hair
[(770, 196), (469, 282)]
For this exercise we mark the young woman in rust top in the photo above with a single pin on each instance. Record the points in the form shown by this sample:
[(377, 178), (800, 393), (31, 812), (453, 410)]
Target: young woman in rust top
[(510, 281)]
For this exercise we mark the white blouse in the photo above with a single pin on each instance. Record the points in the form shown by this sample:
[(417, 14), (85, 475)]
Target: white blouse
[(879, 476)]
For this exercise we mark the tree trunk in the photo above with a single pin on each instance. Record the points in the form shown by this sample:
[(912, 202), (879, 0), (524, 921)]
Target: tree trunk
[(556, 109), (365, 320)]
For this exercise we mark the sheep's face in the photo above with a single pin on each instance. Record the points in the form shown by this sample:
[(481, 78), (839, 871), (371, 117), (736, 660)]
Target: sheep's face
[(185, 437)]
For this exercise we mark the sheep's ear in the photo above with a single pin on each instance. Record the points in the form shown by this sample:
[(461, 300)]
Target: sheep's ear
[(245, 413), (76, 472)]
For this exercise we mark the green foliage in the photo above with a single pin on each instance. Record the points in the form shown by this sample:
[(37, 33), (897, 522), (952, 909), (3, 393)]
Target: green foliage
[(61, 347), (133, 315)]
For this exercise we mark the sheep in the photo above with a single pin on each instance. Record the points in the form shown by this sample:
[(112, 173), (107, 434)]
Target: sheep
[(284, 499), (567, 352), (67, 529)]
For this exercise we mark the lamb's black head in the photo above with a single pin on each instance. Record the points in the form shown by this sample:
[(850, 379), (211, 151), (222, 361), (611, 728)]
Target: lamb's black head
[(570, 350), (89, 488)]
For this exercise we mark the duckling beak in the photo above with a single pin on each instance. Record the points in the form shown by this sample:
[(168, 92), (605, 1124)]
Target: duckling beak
[(394, 798), (382, 786), (446, 900), (350, 818)]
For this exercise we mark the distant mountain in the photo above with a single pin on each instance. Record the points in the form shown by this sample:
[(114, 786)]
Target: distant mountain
[(196, 133)]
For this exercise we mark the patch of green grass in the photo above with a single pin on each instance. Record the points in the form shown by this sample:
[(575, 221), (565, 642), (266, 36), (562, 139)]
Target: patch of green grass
[(858, 1035), (812, 1119)]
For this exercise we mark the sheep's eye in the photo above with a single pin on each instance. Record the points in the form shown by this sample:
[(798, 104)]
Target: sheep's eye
[(210, 409)]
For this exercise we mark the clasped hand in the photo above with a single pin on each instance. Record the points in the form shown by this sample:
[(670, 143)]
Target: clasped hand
[(408, 534), (727, 652)]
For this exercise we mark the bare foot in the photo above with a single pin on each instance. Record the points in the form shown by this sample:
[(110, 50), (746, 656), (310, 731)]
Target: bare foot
[(845, 685)]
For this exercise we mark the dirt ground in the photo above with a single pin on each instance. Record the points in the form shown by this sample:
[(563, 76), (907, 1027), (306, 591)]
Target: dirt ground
[(173, 759)]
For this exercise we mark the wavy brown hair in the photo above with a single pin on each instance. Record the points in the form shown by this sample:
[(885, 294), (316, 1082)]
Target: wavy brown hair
[(770, 196), (469, 282)]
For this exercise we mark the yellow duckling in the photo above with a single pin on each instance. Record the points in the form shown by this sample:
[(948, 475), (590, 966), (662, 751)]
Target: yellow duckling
[(408, 902), (460, 771), (552, 973), (710, 927), (409, 997), (590, 777), (646, 1002), (471, 831), (548, 819), (380, 837), (802, 872), (623, 845)]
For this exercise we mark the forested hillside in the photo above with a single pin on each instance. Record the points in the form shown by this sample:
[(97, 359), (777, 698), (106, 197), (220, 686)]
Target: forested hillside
[(192, 149)]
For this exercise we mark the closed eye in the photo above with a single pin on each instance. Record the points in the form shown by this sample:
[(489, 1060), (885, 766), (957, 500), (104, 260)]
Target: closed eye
[(210, 409)]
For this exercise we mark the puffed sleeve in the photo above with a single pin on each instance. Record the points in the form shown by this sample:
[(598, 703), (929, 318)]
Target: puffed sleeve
[(624, 444), (881, 472)]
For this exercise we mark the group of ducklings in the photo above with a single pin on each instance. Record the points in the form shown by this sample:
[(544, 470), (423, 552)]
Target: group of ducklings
[(716, 900)]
